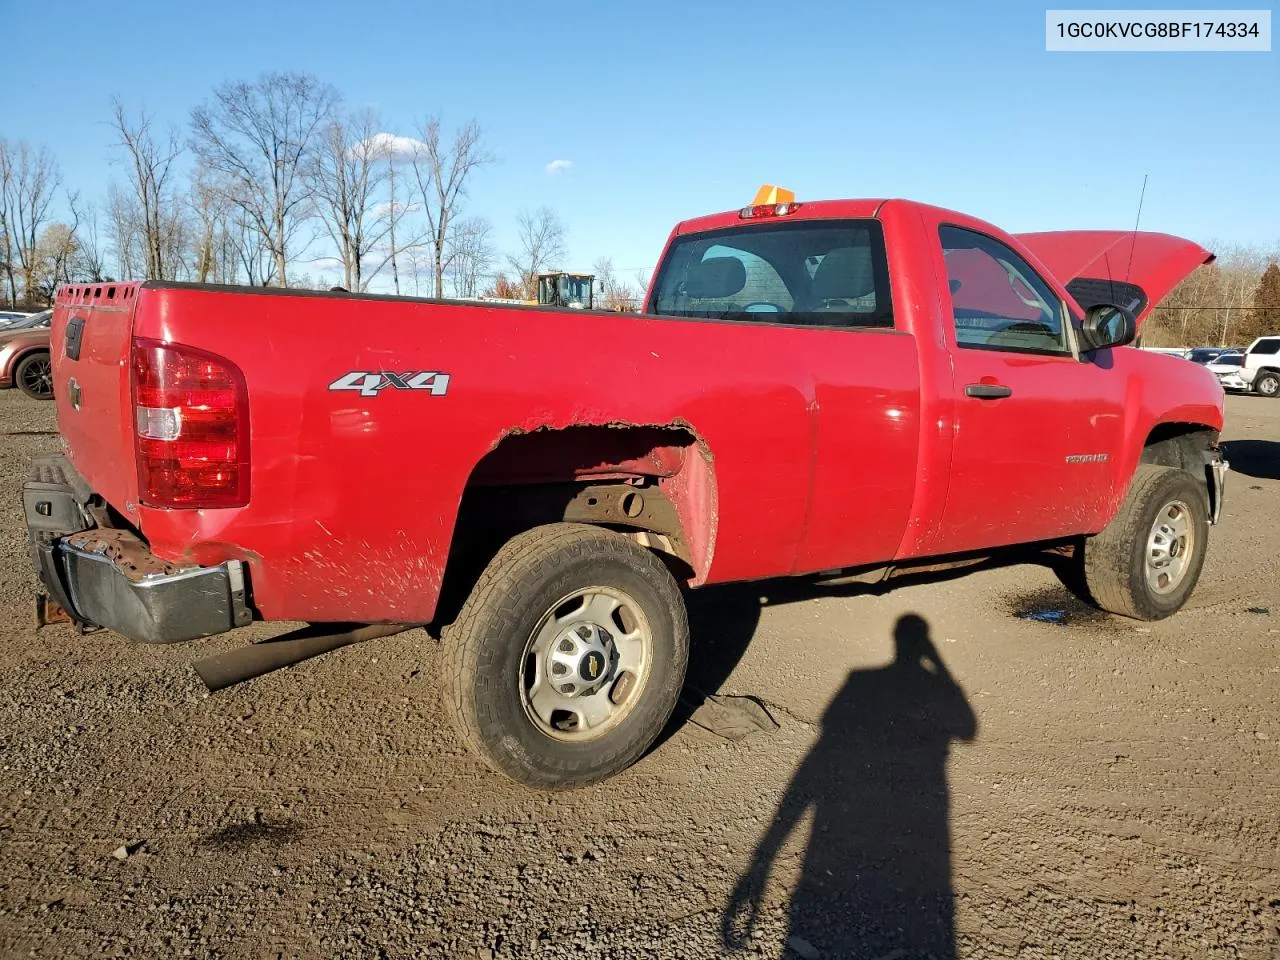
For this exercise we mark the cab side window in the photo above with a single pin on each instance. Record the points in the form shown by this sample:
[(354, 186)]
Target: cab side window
[(997, 301)]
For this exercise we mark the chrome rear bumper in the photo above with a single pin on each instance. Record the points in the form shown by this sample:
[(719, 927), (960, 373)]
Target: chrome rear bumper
[(109, 577)]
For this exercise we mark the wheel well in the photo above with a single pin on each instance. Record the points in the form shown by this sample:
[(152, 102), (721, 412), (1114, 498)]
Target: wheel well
[(16, 360), (22, 355), (653, 483), (1181, 445)]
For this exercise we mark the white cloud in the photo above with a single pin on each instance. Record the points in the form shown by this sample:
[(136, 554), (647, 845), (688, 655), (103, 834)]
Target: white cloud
[(559, 166), (384, 208), (393, 143)]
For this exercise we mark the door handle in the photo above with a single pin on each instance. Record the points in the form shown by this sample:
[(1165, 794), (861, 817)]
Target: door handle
[(988, 391)]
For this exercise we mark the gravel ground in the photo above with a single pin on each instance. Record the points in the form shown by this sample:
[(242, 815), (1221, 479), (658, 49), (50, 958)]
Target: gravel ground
[(1061, 784)]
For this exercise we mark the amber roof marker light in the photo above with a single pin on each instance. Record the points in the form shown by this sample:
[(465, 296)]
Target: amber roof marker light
[(770, 201)]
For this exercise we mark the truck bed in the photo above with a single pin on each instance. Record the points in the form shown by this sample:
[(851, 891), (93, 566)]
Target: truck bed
[(371, 454)]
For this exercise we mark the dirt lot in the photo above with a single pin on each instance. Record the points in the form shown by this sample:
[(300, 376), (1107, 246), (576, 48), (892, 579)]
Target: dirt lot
[(1068, 786)]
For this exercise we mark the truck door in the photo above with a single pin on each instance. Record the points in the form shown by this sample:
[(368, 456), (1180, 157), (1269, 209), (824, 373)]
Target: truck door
[(1035, 426)]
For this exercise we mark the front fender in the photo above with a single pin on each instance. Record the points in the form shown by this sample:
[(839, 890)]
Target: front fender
[(1163, 397)]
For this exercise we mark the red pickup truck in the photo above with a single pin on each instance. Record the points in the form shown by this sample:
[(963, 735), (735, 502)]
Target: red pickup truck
[(850, 386)]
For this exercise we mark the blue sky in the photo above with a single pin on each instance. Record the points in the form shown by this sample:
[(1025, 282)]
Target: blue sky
[(668, 111)]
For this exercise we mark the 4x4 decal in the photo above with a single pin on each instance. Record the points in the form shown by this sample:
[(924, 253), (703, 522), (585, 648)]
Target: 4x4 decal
[(370, 383)]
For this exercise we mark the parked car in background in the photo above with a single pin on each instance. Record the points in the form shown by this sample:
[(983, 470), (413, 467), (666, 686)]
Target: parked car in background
[(9, 316), (1226, 367), (1261, 367), (24, 356), (1206, 355)]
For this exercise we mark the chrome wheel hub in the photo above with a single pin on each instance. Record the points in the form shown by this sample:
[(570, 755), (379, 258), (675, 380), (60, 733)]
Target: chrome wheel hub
[(1170, 545), (582, 660), (586, 663)]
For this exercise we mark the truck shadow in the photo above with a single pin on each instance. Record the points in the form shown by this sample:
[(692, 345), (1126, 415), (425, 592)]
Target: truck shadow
[(875, 879), (1253, 458)]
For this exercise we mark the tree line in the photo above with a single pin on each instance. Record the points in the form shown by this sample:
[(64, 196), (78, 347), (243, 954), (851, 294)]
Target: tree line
[(1227, 303), (263, 174)]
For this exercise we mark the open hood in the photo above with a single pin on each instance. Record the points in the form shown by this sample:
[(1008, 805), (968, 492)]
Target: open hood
[(1135, 270)]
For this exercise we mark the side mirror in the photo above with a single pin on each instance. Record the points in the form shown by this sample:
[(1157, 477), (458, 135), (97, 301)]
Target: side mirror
[(1107, 325)]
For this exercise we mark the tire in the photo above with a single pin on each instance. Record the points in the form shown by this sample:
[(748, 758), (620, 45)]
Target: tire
[(491, 655), (34, 376), (1114, 567), (1267, 384)]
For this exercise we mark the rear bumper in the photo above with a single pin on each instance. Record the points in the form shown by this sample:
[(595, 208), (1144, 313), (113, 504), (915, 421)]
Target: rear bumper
[(156, 608), (109, 578)]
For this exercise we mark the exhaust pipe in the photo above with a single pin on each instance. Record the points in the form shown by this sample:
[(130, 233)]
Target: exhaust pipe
[(245, 663)]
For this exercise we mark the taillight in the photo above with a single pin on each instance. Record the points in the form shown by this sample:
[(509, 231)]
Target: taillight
[(191, 420)]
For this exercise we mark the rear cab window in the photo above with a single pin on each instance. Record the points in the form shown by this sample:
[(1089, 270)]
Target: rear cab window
[(820, 273)]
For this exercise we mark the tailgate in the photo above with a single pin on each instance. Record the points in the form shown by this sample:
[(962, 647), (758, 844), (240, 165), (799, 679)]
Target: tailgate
[(90, 345)]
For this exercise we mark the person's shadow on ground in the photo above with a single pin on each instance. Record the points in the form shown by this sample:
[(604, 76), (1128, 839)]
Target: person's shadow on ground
[(876, 877)]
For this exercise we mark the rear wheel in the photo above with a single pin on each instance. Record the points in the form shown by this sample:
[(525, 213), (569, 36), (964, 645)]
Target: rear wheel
[(1268, 384), (1147, 561), (34, 376), (568, 657)]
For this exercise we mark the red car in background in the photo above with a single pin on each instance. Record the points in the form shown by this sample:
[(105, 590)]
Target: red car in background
[(24, 356)]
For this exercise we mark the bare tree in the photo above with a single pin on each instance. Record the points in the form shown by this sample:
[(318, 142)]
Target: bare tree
[(126, 231), (1240, 268), (1210, 306), (257, 137), (346, 174), (55, 259), (417, 263), (30, 178), (209, 209), (250, 250), (542, 247), (391, 232), (7, 240), (90, 253), (442, 171), (470, 255), (151, 163), (503, 289), (615, 293)]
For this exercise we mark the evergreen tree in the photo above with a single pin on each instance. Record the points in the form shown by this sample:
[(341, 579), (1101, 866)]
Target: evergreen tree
[(1264, 315)]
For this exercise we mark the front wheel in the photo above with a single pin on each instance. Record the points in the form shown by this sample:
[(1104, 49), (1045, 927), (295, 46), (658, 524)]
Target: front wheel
[(1267, 384), (568, 657), (34, 376), (1148, 559)]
